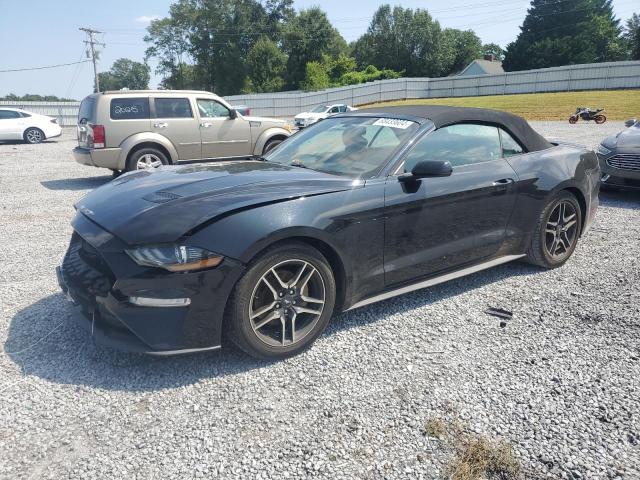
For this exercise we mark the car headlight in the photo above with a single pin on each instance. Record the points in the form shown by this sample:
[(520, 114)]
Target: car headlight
[(602, 150), (175, 258)]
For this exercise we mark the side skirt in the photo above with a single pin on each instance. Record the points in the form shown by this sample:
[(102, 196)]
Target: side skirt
[(436, 280)]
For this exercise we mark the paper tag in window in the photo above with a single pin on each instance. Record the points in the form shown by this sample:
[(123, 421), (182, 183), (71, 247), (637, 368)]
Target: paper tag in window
[(393, 123)]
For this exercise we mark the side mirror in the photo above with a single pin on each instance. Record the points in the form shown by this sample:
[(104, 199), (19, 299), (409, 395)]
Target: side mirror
[(630, 123), (428, 169), (233, 114)]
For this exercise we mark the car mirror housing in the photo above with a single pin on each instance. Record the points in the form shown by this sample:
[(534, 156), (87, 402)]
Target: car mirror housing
[(631, 122), (233, 114), (428, 169)]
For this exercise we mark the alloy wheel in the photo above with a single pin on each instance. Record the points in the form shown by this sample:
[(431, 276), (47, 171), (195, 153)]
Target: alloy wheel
[(34, 136), (147, 161), (561, 232), (286, 303)]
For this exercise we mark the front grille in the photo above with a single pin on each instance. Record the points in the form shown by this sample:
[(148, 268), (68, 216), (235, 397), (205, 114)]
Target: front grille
[(85, 272), (625, 161)]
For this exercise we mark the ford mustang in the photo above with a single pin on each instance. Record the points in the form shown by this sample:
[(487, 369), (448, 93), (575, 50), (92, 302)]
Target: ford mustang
[(358, 208)]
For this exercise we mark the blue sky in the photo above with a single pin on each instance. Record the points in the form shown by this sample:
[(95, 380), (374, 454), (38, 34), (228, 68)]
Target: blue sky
[(45, 32)]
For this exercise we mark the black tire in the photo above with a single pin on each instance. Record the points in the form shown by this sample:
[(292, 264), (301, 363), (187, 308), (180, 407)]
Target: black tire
[(271, 144), (264, 342), (542, 240), (150, 153), (33, 135)]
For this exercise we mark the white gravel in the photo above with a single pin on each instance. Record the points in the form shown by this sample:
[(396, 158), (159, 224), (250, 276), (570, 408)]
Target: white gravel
[(560, 382)]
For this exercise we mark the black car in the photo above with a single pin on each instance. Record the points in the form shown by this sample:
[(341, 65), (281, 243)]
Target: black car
[(358, 208), (620, 158)]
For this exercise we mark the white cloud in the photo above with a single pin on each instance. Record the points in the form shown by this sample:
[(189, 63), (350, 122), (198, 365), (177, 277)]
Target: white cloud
[(147, 18)]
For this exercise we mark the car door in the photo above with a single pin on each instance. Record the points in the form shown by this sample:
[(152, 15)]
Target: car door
[(174, 118), (437, 224), (11, 125), (222, 136)]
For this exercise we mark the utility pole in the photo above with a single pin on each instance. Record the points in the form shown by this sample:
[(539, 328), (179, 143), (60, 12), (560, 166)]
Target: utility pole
[(92, 43)]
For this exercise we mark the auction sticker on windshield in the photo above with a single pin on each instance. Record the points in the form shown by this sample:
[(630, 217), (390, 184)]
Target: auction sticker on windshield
[(393, 123)]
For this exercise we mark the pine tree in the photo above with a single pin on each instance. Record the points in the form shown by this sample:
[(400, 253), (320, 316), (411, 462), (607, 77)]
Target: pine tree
[(564, 32)]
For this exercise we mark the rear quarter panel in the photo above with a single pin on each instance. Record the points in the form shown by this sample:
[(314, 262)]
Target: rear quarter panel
[(542, 174)]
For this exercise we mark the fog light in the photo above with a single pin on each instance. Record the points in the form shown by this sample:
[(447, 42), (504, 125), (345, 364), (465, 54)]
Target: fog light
[(160, 302)]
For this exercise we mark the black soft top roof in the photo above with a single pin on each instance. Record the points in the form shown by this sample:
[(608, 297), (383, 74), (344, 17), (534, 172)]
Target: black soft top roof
[(442, 116)]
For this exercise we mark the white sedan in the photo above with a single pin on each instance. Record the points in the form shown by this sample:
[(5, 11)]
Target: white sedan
[(305, 119), (17, 124)]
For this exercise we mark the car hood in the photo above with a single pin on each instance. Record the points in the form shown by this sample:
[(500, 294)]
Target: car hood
[(628, 139), (266, 122), (162, 205)]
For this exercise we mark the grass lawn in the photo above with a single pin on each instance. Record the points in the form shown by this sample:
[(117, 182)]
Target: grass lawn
[(618, 104)]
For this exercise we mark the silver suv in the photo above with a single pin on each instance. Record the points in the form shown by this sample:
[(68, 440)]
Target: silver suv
[(132, 130)]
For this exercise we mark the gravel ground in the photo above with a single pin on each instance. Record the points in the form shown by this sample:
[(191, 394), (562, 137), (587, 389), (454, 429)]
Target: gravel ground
[(560, 382)]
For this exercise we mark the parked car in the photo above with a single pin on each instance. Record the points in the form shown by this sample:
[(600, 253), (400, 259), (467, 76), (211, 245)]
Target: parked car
[(358, 208), (18, 124), (305, 119), (136, 130), (620, 158)]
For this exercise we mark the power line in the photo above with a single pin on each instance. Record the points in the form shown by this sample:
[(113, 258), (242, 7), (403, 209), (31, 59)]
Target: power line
[(43, 68)]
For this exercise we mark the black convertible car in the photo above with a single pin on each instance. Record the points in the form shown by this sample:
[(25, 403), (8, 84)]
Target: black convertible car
[(358, 208)]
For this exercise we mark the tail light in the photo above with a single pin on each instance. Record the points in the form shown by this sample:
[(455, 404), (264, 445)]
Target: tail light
[(98, 136), (248, 114)]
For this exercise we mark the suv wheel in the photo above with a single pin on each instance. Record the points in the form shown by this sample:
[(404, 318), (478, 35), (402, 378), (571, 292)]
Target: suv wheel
[(270, 145), (283, 302), (146, 158)]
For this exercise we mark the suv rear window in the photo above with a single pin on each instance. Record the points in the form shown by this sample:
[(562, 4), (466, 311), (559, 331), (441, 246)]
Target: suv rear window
[(129, 108), (87, 110)]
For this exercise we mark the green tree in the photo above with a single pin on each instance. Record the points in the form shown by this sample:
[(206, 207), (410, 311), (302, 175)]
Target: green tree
[(632, 36), (266, 66), (316, 77), (411, 40), (306, 38), (125, 73), (493, 49), (169, 44), (562, 33)]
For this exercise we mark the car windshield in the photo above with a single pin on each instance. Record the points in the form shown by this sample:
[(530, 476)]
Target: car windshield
[(350, 146), (319, 109)]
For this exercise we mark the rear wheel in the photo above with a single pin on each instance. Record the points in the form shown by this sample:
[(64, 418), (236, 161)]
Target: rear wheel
[(600, 119), (283, 303), (33, 135), (556, 235), (146, 158)]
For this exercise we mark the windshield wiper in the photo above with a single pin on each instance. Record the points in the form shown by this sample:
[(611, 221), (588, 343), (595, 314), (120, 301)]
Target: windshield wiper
[(296, 163)]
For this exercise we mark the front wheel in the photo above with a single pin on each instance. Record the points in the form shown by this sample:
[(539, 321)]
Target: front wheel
[(556, 235), (33, 135), (283, 303), (600, 119), (573, 119)]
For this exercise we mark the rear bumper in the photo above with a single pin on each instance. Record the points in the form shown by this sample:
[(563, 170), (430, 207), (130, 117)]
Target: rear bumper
[(98, 157), (87, 278)]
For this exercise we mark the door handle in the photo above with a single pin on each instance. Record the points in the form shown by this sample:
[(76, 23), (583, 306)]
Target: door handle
[(205, 125), (504, 182), (161, 125)]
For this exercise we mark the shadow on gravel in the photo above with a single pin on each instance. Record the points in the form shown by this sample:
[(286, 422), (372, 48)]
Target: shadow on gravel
[(45, 340), (620, 199), (80, 183)]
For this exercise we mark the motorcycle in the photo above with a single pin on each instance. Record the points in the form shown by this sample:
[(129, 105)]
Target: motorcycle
[(586, 114)]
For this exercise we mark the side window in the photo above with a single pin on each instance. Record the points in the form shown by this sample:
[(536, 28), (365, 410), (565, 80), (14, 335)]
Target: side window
[(334, 110), (25, 114), (8, 114), (343, 109), (211, 109), (173, 108), (509, 146), (129, 108), (461, 144)]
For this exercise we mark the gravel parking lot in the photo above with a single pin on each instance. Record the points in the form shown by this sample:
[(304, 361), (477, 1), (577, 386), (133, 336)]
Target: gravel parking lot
[(560, 382)]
